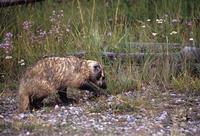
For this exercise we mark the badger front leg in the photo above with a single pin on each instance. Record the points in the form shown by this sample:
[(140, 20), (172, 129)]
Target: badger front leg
[(88, 85), (62, 92)]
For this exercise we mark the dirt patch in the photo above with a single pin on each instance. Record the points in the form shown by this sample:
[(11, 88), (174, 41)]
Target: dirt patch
[(152, 111)]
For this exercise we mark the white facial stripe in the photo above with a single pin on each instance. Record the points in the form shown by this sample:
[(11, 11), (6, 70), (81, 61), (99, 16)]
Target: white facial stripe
[(102, 74), (92, 63)]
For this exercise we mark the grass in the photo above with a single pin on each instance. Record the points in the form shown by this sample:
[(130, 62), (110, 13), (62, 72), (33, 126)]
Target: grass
[(51, 28), (186, 83), (17, 126)]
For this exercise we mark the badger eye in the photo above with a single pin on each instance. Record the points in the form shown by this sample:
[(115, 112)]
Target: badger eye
[(97, 68)]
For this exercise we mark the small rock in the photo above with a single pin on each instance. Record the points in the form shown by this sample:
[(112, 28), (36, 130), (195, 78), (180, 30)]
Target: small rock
[(63, 123), (28, 133), (56, 107), (63, 107), (163, 116), (130, 118), (21, 116), (179, 101)]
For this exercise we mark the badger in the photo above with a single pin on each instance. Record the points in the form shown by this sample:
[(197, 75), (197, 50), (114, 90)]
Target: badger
[(54, 75)]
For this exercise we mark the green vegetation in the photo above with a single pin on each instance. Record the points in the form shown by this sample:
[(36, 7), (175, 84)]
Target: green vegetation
[(54, 28)]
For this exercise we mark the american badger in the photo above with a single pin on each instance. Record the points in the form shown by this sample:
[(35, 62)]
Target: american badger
[(55, 74)]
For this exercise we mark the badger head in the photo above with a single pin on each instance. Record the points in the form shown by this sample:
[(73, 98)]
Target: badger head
[(97, 75)]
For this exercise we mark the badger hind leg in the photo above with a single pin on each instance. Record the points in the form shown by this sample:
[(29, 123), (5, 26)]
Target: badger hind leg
[(42, 90), (36, 103), (24, 102)]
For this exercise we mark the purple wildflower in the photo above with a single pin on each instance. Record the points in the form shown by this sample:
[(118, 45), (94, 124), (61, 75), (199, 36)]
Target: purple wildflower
[(6, 45), (27, 25)]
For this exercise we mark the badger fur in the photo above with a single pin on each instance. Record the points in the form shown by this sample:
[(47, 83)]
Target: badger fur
[(56, 74)]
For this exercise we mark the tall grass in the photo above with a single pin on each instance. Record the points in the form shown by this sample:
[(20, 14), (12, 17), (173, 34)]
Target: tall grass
[(52, 28)]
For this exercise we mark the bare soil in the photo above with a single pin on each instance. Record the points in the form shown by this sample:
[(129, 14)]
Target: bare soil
[(155, 110)]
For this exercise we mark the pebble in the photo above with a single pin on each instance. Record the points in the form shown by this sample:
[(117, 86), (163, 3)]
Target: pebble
[(163, 116), (79, 119), (28, 133), (56, 107)]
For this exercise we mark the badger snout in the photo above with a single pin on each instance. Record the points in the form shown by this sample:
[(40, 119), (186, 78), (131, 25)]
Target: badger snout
[(102, 83), (104, 86)]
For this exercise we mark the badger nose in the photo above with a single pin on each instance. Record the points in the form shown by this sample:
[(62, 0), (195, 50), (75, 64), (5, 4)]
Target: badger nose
[(104, 86)]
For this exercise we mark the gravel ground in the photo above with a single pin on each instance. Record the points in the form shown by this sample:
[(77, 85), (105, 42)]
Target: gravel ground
[(147, 112)]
